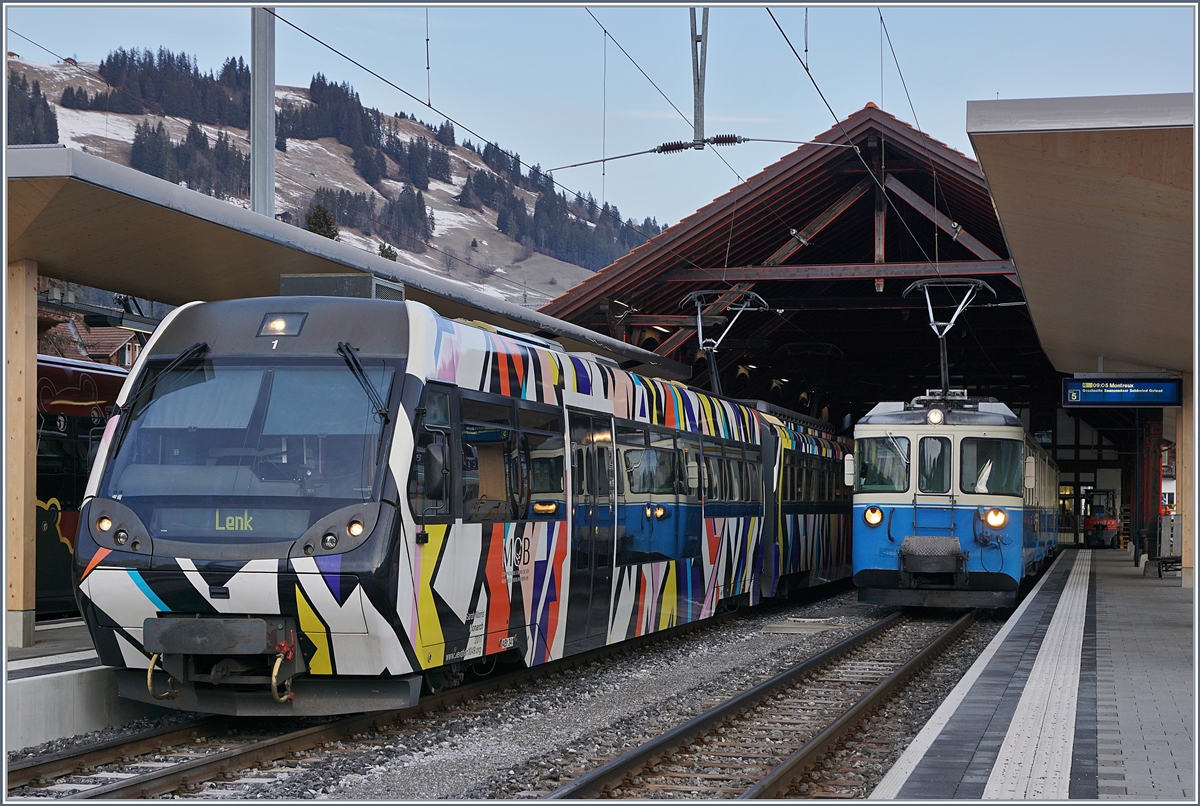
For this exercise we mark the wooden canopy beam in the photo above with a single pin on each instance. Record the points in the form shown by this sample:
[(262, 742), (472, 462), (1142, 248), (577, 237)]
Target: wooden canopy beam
[(951, 228), (799, 240), (843, 271)]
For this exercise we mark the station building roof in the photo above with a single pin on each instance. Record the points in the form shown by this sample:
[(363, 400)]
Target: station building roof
[(90, 221), (1096, 198), (831, 237)]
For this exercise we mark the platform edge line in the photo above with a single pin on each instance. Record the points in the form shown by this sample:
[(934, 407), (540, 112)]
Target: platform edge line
[(897, 776)]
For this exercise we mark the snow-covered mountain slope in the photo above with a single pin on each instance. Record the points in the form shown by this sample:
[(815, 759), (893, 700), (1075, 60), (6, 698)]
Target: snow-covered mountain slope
[(496, 263)]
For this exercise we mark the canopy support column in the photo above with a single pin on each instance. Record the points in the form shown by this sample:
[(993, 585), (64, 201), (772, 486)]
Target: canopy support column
[(21, 425)]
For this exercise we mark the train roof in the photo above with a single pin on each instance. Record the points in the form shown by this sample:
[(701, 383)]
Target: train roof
[(74, 363), (957, 406)]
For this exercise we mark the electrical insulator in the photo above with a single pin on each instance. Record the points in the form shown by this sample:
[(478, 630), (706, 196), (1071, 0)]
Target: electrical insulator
[(676, 145), (725, 140)]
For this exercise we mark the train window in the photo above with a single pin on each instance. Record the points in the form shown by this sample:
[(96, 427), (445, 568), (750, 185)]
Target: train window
[(432, 430), (489, 463), (653, 470), (712, 477), (933, 475), (543, 456), (752, 480), (692, 473), (549, 422), (882, 464), (993, 466), (733, 480)]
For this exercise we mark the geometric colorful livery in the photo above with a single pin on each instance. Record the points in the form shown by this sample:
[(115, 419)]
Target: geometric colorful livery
[(313, 505)]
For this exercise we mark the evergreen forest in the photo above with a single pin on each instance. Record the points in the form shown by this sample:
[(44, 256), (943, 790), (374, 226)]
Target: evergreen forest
[(31, 119), (577, 230)]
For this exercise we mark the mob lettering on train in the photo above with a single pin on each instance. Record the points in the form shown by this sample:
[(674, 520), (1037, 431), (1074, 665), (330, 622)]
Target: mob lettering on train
[(234, 523)]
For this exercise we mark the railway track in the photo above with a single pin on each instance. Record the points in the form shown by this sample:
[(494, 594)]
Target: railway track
[(202, 758), (756, 744)]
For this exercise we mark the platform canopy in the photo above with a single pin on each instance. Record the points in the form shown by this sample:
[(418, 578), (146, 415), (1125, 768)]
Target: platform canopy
[(830, 237), (1096, 196), (90, 221)]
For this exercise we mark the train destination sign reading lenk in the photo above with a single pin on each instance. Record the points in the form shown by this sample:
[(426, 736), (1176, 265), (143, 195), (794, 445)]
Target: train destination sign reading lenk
[(1122, 391)]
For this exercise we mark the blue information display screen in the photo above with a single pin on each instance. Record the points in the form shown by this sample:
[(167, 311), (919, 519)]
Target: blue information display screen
[(1117, 392)]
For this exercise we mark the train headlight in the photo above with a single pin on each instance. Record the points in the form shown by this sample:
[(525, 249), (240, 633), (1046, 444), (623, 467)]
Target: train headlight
[(996, 518), (329, 542), (660, 511), (935, 416), (104, 523), (120, 537), (355, 528), (873, 516)]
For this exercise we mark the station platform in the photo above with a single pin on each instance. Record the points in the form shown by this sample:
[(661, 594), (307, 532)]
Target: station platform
[(57, 688), (1087, 692)]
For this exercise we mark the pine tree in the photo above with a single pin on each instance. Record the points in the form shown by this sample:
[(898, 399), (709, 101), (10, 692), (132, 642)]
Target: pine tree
[(321, 221), (387, 251)]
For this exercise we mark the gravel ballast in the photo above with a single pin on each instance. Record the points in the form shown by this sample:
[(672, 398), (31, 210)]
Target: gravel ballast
[(521, 743)]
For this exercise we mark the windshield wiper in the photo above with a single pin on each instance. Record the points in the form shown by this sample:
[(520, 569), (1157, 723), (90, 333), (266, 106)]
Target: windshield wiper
[(126, 412), (346, 351), (902, 451)]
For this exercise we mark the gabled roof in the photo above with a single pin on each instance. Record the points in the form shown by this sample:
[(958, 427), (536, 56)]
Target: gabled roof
[(745, 226), (804, 234)]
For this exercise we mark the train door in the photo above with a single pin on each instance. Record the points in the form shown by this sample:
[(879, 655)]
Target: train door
[(593, 519)]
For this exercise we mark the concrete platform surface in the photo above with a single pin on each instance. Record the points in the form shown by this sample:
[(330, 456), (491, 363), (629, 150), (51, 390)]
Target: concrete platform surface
[(1086, 693)]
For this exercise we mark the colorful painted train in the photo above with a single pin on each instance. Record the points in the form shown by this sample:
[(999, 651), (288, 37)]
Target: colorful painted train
[(955, 505), (315, 505), (73, 399)]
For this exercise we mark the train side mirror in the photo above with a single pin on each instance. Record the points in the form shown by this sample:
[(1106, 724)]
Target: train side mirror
[(435, 471), (1030, 469), (693, 476), (848, 466)]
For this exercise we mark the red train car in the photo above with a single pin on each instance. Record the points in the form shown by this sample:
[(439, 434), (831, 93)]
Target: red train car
[(73, 401)]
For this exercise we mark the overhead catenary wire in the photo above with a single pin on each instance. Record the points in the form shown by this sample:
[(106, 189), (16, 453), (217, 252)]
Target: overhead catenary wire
[(676, 146), (467, 129), (936, 184)]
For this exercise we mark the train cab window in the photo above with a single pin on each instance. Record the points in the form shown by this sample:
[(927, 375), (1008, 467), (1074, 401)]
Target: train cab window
[(279, 431), (430, 497), (993, 466), (882, 464), (933, 476), (488, 462)]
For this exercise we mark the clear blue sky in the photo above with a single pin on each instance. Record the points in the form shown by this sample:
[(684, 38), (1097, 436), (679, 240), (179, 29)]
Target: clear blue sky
[(535, 79)]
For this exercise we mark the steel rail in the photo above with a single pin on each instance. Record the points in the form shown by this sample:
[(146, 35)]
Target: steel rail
[(592, 784), (203, 769), (64, 762), (777, 782)]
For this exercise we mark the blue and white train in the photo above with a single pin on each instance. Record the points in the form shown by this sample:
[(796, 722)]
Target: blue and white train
[(955, 505)]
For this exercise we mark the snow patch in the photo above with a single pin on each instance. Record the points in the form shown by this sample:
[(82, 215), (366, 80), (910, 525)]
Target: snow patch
[(75, 125), (448, 220), (452, 189)]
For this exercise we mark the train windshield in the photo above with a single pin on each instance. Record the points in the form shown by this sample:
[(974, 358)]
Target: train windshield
[(274, 447), (993, 466), (882, 464)]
